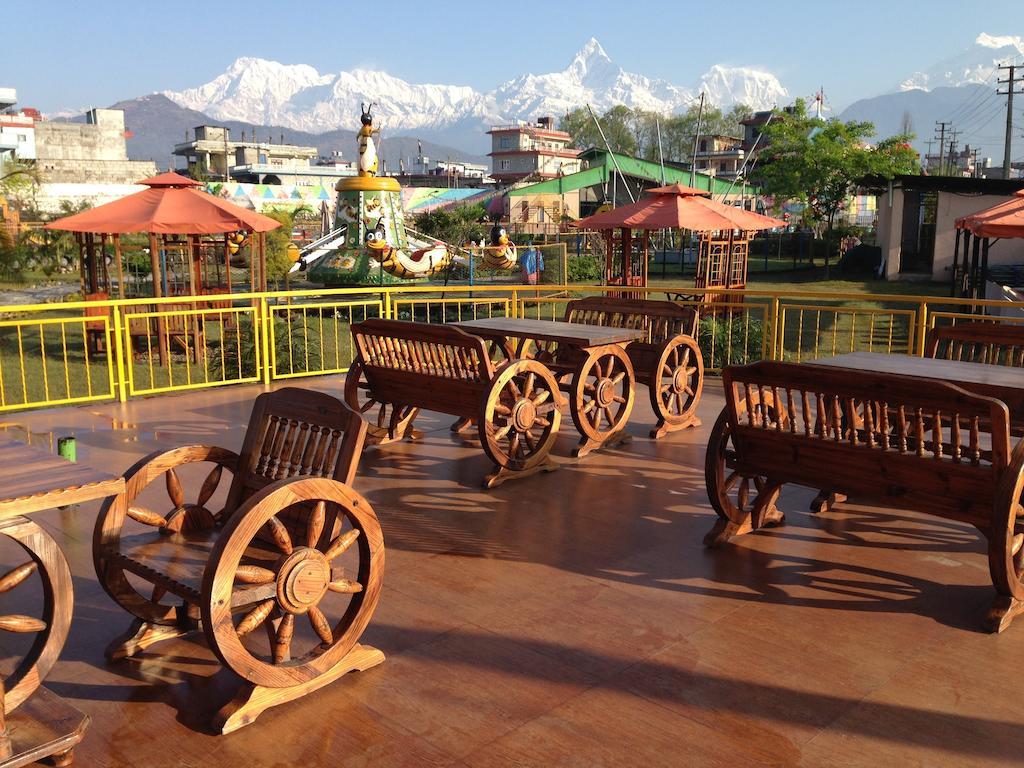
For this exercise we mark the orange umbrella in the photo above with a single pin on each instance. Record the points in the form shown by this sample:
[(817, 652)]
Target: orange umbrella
[(679, 207), (1005, 219), (172, 206)]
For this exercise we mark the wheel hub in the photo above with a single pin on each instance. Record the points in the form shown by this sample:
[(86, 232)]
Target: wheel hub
[(302, 580), (524, 414), (679, 379), (604, 392)]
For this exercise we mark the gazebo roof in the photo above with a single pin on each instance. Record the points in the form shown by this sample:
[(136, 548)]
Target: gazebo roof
[(679, 207), (171, 206), (1005, 219)]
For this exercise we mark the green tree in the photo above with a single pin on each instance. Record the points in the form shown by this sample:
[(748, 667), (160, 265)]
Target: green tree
[(278, 240), (819, 163), (455, 224)]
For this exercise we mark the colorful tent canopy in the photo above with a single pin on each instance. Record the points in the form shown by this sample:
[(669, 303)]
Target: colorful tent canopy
[(679, 207), (1005, 219), (171, 205)]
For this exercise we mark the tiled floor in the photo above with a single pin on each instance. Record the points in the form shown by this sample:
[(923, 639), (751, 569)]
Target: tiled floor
[(574, 619)]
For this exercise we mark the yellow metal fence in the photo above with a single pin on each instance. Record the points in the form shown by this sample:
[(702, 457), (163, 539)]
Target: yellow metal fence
[(56, 354)]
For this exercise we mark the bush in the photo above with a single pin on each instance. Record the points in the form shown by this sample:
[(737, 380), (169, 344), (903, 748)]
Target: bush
[(730, 342), (303, 344), (584, 269)]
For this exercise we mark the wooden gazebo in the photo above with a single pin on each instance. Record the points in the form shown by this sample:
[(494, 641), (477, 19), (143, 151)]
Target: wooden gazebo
[(190, 240), (725, 233), (974, 235)]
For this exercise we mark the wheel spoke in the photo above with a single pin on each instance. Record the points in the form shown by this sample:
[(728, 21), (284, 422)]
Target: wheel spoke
[(665, 370), (531, 445), (502, 410), (501, 433), (315, 527), (597, 419), (254, 574), (531, 378), (618, 399), (541, 397), (209, 486), (283, 639), (320, 625), (174, 489), (280, 535), (542, 422), (345, 587), (369, 404), (16, 576), (341, 544), (591, 405), (607, 410), (18, 623), (680, 407), (513, 446), (1018, 541), (255, 617), (146, 516), (730, 481), (618, 377)]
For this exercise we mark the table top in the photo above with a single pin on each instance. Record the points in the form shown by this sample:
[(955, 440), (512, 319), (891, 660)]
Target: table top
[(576, 334), (32, 479), (953, 371)]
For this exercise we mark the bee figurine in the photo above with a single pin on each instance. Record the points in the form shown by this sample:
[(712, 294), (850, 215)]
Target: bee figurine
[(367, 150)]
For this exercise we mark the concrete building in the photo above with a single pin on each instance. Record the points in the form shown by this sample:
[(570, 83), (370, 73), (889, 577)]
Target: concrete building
[(917, 223), (258, 162), (536, 151), (719, 155), (964, 162)]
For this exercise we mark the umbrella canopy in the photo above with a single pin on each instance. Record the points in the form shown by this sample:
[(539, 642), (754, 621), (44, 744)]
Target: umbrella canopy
[(172, 206), (679, 207), (1005, 219)]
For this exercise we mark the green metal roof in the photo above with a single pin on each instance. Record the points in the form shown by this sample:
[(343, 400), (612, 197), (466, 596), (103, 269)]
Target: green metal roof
[(630, 166)]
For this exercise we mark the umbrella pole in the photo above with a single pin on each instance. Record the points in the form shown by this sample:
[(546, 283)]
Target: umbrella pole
[(120, 268)]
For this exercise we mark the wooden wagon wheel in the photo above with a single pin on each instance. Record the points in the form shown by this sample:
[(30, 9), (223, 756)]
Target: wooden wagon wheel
[(383, 421), (1006, 545), (258, 571), (519, 420), (743, 503), (601, 397), (183, 516), (51, 630), (676, 384)]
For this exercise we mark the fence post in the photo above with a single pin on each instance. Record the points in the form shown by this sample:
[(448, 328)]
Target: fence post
[(387, 305), (515, 303), (565, 264), (775, 352), (264, 319), (922, 328), (119, 355)]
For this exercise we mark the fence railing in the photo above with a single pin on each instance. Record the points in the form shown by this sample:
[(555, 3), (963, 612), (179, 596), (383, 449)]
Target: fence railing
[(58, 354)]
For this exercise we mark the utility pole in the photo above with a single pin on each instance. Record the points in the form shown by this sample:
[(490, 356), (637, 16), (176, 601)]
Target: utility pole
[(941, 138), (693, 166), (1009, 82), (928, 152), (953, 165)]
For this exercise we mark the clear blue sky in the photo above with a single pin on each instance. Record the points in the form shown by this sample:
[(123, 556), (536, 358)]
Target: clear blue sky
[(78, 54)]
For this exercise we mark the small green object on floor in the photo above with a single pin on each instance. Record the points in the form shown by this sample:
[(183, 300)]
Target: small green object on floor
[(66, 448)]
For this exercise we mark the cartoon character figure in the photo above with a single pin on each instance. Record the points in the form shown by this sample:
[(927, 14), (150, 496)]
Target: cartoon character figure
[(501, 252), (348, 212), (367, 150), (377, 241)]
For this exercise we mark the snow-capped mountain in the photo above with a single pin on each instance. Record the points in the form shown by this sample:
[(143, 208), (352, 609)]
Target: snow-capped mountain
[(299, 97), (976, 64)]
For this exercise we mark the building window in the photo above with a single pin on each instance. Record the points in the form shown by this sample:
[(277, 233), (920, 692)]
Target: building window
[(22, 137), (721, 167), (505, 142), (504, 165), (703, 145)]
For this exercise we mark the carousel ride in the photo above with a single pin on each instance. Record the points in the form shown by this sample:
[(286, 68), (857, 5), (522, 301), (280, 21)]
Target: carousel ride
[(375, 248)]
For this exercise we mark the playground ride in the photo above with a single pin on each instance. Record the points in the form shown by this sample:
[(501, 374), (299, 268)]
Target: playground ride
[(501, 253), (373, 245)]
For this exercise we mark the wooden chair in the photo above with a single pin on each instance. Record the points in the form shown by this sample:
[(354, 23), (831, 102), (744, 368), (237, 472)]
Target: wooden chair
[(668, 361), (401, 367), (96, 330), (291, 533), (912, 443), (989, 343)]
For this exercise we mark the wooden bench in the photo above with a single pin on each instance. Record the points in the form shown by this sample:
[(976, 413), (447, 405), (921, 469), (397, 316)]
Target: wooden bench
[(911, 443), (989, 343), (668, 361), (401, 367), (289, 532)]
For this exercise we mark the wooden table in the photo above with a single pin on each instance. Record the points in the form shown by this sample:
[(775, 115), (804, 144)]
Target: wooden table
[(32, 480), (600, 387), (1000, 382)]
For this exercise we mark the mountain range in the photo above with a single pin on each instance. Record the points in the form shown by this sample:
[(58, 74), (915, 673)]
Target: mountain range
[(309, 107)]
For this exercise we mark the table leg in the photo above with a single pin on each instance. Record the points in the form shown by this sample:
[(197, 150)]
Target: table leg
[(601, 395)]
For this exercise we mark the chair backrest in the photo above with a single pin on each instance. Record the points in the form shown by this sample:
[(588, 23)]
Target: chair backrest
[(991, 343), (422, 364), (662, 320), (929, 444), (293, 432)]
